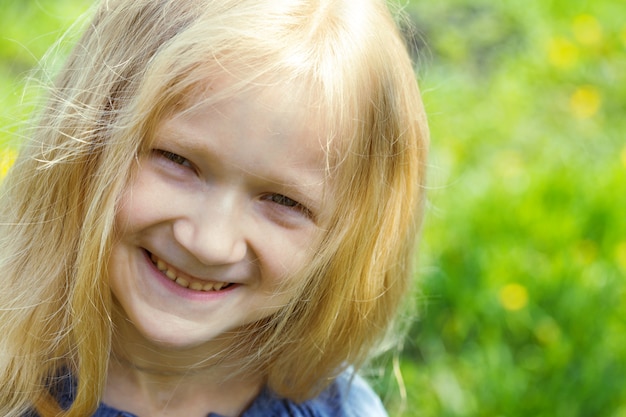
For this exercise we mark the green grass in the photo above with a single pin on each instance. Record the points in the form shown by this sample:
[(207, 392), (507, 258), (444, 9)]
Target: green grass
[(29, 29), (522, 302), (524, 250)]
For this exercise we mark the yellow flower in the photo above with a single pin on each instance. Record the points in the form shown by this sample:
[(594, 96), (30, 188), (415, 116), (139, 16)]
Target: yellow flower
[(587, 30), (513, 296), (7, 157), (562, 53), (585, 102)]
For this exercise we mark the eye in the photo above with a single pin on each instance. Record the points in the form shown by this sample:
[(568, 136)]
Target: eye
[(173, 157), (285, 201)]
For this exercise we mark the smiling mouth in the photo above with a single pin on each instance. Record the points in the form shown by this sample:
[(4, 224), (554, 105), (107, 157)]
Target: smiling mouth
[(185, 281)]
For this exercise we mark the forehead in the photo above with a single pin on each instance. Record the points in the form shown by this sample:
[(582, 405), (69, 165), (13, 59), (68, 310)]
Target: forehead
[(266, 127), (284, 110)]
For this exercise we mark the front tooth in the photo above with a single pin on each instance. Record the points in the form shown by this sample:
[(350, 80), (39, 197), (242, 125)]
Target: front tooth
[(218, 286), (207, 287), (161, 265), (196, 286), (182, 282), (170, 274)]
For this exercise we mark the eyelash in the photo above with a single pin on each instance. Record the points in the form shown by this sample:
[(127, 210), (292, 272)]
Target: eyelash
[(175, 158), (289, 203)]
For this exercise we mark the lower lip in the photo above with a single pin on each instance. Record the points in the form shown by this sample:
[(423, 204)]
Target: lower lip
[(183, 292)]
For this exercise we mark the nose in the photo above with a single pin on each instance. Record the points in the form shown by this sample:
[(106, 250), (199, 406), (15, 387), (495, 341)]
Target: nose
[(213, 232)]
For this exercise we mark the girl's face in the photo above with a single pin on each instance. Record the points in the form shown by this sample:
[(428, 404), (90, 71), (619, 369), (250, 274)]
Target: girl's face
[(222, 210)]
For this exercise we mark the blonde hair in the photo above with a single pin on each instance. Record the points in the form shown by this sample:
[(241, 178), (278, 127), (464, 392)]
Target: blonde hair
[(135, 63)]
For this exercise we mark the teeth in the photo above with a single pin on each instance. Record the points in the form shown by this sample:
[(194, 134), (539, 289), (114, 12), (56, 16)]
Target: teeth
[(161, 265), (182, 282), (196, 286)]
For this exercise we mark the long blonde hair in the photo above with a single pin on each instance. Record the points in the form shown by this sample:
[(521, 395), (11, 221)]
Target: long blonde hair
[(134, 64)]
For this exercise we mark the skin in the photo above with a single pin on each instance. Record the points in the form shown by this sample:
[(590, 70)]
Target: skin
[(230, 193)]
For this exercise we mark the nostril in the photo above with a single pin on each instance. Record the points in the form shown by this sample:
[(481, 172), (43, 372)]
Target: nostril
[(212, 238)]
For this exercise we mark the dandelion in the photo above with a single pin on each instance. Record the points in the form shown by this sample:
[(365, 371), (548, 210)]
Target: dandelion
[(513, 296), (562, 53), (587, 30), (7, 157), (585, 102)]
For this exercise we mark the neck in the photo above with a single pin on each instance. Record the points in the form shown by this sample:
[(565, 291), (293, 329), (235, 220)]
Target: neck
[(145, 393), (147, 379)]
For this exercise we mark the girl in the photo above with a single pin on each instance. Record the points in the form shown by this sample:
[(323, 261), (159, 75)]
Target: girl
[(215, 214)]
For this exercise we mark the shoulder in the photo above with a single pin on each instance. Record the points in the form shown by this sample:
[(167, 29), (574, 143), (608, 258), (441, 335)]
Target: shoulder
[(348, 396), (356, 397)]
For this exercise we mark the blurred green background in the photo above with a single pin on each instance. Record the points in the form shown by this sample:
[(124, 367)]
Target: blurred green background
[(521, 295)]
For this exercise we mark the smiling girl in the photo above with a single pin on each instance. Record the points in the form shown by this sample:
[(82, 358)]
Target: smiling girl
[(215, 215)]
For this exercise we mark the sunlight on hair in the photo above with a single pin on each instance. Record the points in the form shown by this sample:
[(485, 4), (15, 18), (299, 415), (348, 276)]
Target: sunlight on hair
[(397, 372), (513, 297), (313, 292)]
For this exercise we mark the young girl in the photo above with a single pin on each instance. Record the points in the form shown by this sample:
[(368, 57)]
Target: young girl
[(215, 214)]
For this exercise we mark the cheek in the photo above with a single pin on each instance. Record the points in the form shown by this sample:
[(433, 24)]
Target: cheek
[(138, 206), (116, 260), (129, 219), (285, 260)]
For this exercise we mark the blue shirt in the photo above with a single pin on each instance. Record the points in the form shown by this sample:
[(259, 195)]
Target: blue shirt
[(345, 397)]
